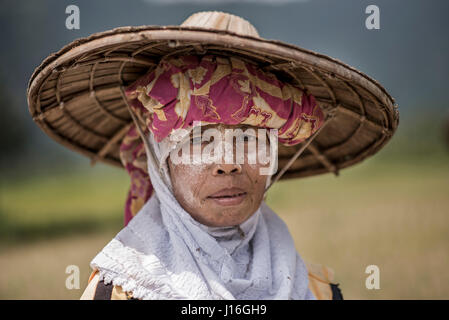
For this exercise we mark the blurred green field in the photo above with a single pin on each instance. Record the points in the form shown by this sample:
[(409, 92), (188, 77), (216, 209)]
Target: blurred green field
[(393, 213), (393, 216)]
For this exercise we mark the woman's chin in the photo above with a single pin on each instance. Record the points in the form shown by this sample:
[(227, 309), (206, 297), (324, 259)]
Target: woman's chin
[(229, 215)]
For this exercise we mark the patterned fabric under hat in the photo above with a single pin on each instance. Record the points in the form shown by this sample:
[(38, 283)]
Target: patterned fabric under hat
[(210, 89)]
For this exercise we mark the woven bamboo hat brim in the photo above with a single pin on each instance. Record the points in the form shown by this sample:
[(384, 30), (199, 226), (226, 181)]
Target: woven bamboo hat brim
[(76, 95)]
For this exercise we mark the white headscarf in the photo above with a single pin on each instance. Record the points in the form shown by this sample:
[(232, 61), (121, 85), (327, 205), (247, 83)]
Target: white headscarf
[(163, 253)]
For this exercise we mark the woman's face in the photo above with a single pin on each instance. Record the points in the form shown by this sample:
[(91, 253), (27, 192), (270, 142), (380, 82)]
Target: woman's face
[(219, 194)]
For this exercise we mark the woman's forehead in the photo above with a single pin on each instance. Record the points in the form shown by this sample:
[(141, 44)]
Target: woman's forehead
[(222, 126)]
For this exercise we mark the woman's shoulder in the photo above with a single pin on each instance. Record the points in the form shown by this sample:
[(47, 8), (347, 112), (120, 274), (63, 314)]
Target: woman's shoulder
[(321, 282), (98, 290)]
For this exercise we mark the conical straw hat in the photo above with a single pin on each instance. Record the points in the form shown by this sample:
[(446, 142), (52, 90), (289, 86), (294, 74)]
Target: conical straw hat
[(75, 95)]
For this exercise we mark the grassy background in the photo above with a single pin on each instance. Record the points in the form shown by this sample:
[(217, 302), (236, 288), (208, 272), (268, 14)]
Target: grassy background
[(391, 211)]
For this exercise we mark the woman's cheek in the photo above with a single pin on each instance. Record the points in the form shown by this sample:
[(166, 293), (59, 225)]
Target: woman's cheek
[(254, 173), (190, 182)]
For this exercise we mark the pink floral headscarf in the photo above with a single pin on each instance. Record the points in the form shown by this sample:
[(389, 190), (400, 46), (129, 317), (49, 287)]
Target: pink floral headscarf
[(210, 89)]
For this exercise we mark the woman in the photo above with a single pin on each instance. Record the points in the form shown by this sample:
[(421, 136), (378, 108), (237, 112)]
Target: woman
[(206, 230), (201, 230)]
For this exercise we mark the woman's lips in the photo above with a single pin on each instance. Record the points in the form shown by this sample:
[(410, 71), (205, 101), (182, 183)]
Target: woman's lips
[(228, 197)]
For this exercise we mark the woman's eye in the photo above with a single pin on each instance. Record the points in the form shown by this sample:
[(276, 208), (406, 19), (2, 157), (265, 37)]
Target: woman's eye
[(196, 140), (249, 137)]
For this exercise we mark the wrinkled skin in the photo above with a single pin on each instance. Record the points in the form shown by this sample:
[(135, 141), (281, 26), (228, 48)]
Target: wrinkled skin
[(194, 184)]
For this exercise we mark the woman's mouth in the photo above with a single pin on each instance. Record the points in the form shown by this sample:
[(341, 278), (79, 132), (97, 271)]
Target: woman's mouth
[(228, 197)]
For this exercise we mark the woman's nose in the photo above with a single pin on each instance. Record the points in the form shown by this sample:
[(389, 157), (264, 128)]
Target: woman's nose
[(223, 168)]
